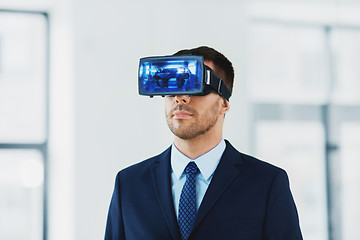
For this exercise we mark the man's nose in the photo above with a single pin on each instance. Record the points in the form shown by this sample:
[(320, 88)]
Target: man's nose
[(184, 99)]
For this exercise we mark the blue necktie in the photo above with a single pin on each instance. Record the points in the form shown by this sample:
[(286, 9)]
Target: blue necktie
[(187, 203)]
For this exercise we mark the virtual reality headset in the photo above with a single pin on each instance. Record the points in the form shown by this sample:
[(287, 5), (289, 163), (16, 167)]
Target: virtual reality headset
[(178, 75)]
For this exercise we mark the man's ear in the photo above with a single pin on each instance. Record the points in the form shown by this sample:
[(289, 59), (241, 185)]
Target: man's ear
[(225, 106)]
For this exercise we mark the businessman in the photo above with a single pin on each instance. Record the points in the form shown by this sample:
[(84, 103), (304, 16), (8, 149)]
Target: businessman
[(201, 187)]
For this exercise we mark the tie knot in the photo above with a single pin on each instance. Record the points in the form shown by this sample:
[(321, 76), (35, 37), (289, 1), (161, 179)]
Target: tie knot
[(192, 168)]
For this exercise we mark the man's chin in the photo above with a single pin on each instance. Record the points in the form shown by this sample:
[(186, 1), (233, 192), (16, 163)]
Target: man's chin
[(181, 133), (184, 136), (187, 134)]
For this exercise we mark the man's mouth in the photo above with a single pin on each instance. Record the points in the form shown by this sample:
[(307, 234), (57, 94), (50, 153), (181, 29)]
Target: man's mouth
[(181, 114)]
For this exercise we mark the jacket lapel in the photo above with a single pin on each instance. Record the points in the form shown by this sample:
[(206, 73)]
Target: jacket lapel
[(161, 171), (224, 174)]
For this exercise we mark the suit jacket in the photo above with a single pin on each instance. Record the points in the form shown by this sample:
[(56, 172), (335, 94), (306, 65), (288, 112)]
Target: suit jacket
[(246, 199)]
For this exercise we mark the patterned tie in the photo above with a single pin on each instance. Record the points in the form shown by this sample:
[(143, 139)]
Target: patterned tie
[(187, 203)]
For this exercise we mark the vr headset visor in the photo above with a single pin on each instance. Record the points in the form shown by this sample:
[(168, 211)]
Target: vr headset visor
[(178, 75)]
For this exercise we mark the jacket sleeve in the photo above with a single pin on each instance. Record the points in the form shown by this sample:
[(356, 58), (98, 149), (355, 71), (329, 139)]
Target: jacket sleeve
[(281, 220), (114, 226)]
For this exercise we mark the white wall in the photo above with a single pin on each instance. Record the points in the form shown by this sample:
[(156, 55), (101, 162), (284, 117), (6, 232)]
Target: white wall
[(114, 126)]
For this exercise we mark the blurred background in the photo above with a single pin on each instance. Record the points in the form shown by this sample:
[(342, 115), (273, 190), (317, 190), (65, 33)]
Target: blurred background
[(71, 118)]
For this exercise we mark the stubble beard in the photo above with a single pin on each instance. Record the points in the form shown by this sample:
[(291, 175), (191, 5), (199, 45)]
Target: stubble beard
[(186, 130)]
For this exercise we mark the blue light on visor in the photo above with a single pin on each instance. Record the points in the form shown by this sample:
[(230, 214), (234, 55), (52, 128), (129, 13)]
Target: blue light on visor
[(178, 75), (170, 75)]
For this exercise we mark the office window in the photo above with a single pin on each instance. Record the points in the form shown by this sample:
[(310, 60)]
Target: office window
[(345, 115), (346, 55), (303, 83), (350, 155), (23, 124), (286, 64), (21, 201), (292, 137), (287, 84), (23, 50)]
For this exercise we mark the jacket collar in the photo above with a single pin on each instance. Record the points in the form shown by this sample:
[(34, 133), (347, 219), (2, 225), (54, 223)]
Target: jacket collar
[(227, 170), (161, 171), (225, 173)]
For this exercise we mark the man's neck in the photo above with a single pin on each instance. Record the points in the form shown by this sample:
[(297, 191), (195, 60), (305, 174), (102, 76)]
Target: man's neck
[(194, 148)]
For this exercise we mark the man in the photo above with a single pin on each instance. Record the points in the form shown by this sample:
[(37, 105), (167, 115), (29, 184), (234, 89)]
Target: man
[(202, 187)]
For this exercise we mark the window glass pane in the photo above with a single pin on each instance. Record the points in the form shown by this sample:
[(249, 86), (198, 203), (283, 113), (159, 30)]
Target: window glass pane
[(22, 77), (345, 44), (21, 198), (350, 187), (297, 147), (286, 64)]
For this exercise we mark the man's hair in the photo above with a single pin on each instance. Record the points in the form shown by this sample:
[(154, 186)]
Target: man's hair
[(218, 59)]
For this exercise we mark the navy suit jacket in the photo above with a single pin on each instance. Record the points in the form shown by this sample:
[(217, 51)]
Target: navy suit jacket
[(246, 199)]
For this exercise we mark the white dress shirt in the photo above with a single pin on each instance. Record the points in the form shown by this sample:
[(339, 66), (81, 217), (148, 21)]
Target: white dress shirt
[(206, 163)]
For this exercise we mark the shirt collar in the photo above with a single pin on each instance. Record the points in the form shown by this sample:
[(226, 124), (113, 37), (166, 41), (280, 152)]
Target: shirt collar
[(206, 163)]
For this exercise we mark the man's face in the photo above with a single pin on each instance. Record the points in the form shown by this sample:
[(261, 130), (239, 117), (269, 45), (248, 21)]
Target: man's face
[(190, 117)]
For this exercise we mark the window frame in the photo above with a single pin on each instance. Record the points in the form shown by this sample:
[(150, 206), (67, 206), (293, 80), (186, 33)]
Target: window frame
[(42, 147)]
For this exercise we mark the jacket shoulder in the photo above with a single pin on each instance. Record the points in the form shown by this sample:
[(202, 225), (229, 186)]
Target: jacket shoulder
[(254, 164), (145, 165)]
